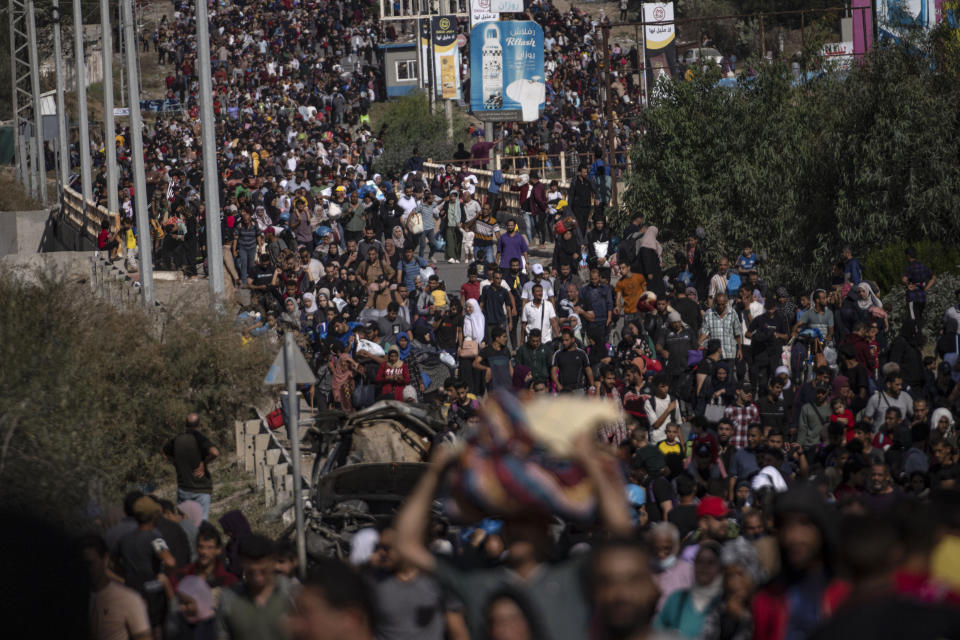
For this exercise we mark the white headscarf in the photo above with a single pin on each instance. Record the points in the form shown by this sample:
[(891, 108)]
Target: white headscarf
[(649, 240), (398, 238), (474, 324), (941, 412), (870, 300), (309, 303)]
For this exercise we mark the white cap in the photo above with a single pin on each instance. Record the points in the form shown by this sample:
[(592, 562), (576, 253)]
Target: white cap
[(537, 268)]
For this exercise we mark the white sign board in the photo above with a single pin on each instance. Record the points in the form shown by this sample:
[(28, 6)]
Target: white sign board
[(658, 36), (482, 11), (838, 54)]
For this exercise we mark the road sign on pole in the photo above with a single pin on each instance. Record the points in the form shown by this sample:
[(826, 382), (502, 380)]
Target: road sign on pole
[(295, 369)]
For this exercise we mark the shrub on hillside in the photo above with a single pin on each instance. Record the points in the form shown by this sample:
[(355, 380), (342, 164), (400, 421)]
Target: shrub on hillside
[(88, 394)]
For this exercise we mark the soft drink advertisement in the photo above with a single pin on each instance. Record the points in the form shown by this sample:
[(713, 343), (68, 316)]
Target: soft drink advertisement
[(506, 68)]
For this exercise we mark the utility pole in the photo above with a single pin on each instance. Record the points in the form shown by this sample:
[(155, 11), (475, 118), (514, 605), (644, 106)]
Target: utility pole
[(608, 111), (63, 128), (144, 240), (87, 185), (16, 15), (109, 129), (293, 432), (211, 176), (39, 167)]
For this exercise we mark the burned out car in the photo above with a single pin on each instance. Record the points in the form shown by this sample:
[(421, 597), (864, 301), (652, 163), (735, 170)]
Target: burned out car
[(366, 465)]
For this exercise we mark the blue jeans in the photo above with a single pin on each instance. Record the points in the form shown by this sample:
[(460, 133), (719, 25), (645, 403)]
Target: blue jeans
[(245, 261), (427, 242), (202, 498), (488, 253)]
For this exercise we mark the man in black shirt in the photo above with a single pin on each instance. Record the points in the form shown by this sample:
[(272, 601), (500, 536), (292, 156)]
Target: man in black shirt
[(772, 412), (259, 281), (191, 453), (688, 309), (496, 301), (494, 361), (581, 196), (673, 343), (570, 366), (767, 333)]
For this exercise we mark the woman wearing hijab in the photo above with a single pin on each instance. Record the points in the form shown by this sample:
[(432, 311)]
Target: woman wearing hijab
[(941, 420), (718, 389), (686, 610), (398, 238), (262, 219), (598, 247), (193, 618), (309, 309), (648, 261), (474, 326), (291, 314), (236, 527), (427, 370), (567, 251), (393, 374)]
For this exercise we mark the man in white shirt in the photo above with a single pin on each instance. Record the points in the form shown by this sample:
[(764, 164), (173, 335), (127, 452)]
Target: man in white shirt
[(540, 314), (407, 201), (470, 207), (537, 270), (661, 409)]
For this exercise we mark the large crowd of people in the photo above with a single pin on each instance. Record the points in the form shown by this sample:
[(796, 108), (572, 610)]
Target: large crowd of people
[(293, 85), (785, 466)]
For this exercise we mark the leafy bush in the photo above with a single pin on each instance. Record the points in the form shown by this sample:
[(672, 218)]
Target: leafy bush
[(885, 266), (88, 395), (939, 298)]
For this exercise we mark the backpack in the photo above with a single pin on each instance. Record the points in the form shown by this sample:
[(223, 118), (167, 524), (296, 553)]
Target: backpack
[(733, 284)]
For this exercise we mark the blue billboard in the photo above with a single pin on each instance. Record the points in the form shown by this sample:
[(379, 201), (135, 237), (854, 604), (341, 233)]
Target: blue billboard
[(506, 69)]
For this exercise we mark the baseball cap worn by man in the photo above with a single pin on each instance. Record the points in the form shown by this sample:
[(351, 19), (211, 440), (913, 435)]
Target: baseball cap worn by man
[(712, 506), (537, 268), (673, 316)]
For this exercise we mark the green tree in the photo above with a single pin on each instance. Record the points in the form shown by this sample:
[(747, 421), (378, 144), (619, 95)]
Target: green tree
[(407, 123), (863, 158)]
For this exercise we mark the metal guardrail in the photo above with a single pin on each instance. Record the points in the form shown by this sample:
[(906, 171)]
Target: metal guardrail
[(86, 218)]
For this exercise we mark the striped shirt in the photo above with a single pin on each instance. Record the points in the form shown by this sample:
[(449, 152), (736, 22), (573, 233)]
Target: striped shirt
[(726, 329), (486, 231)]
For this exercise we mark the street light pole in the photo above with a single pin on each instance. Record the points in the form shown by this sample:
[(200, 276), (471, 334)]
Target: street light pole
[(109, 129), (608, 110), (144, 240), (293, 432), (87, 185), (63, 129), (39, 167), (211, 179)]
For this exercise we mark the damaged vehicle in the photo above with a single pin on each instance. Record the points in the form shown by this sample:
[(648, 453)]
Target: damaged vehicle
[(366, 465)]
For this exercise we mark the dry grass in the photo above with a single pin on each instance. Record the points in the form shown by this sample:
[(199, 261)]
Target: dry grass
[(15, 198)]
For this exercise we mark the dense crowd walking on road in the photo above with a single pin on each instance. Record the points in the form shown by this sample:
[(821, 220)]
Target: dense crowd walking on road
[(785, 464)]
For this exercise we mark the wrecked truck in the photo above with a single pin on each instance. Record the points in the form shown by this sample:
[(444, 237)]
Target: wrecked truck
[(366, 465)]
